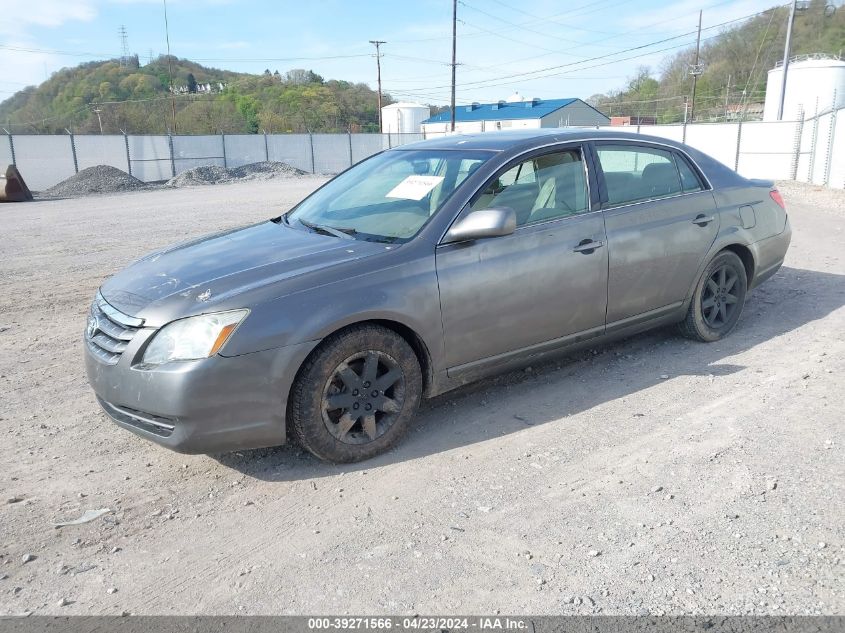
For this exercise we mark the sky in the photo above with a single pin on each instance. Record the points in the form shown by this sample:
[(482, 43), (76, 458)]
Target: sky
[(539, 48)]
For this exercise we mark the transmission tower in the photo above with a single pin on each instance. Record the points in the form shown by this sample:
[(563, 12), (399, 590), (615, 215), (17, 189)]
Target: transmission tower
[(124, 46)]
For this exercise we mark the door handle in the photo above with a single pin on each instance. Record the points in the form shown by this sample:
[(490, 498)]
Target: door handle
[(703, 220), (587, 246)]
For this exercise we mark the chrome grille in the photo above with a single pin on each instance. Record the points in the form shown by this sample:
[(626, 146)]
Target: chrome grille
[(109, 330)]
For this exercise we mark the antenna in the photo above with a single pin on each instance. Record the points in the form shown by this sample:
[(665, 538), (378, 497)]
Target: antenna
[(124, 46)]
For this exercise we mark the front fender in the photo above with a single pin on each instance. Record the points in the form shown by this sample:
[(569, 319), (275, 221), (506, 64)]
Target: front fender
[(406, 294)]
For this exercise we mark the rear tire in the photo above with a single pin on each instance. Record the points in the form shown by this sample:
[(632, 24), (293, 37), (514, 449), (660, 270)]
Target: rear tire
[(718, 299), (356, 394)]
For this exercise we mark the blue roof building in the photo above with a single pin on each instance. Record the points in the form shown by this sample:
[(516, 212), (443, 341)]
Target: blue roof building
[(513, 114)]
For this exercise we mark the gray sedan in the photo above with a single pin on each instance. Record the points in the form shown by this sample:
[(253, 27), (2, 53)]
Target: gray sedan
[(421, 269)]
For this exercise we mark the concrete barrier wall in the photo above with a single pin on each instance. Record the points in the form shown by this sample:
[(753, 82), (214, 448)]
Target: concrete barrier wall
[(812, 150)]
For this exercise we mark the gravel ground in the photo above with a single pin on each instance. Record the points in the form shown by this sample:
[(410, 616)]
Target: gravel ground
[(654, 475)]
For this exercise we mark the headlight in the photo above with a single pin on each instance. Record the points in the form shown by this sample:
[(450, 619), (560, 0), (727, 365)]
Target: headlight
[(193, 338)]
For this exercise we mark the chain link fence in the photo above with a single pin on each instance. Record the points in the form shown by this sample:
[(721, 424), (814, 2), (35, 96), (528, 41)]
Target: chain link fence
[(810, 150)]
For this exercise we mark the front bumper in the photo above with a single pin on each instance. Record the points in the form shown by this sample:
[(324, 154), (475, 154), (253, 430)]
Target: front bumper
[(213, 405)]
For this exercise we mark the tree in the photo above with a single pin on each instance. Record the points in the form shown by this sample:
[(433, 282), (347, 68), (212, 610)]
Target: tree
[(300, 76), (211, 116), (192, 83)]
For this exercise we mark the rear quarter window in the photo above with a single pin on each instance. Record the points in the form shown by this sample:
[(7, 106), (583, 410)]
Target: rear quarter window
[(690, 181)]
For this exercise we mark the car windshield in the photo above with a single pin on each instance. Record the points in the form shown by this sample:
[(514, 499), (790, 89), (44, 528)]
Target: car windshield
[(388, 197)]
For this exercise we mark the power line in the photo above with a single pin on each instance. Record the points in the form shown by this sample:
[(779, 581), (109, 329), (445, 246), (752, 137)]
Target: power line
[(538, 74), (112, 55)]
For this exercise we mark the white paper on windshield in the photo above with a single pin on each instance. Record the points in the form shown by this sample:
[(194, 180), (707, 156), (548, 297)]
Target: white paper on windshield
[(414, 187)]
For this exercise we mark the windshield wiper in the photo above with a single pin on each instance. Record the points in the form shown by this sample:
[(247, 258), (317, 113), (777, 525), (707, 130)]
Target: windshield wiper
[(327, 230)]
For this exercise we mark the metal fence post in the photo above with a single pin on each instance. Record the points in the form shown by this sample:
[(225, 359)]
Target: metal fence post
[(738, 144), (172, 157), (266, 148), (223, 141), (829, 157), (389, 141), (313, 163), (11, 145), (73, 151), (349, 136), (796, 152), (128, 158), (812, 162)]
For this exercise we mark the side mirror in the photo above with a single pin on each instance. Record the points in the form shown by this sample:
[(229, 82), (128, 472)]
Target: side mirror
[(494, 222)]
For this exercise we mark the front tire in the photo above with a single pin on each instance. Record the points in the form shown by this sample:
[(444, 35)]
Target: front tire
[(356, 394), (718, 299)]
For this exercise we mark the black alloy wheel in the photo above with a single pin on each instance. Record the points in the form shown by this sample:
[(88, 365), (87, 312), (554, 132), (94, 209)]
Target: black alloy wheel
[(356, 394), (363, 397), (718, 299)]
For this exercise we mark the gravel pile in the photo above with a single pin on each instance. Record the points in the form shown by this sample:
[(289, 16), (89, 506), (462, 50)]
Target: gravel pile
[(204, 175), (265, 170), (215, 175), (97, 179)]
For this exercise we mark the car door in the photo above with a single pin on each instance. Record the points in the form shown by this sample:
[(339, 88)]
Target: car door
[(661, 221), (545, 281)]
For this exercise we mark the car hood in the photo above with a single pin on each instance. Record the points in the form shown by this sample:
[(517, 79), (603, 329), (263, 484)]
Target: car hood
[(194, 276)]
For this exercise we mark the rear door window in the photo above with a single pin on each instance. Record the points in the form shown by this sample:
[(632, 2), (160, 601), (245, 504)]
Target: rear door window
[(633, 173)]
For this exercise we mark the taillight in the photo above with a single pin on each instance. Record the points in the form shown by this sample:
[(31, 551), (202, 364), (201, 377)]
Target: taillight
[(775, 194)]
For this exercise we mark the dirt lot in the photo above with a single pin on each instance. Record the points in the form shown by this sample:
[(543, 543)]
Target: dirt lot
[(655, 475)]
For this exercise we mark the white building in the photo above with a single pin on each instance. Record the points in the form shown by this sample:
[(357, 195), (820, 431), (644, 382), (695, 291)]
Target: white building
[(813, 84), (513, 114), (403, 117)]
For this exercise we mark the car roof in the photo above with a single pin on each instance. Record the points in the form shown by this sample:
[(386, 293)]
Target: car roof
[(518, 141), (502, 140)]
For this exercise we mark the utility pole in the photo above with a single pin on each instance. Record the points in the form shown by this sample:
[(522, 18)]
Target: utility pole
[(377, 44), (696, 68), (454, 56), (170, 67), (786, 58), (97, 112), (727, 97)]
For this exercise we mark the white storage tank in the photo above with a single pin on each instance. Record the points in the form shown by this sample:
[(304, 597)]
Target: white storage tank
[(403, 117), (813, 84)]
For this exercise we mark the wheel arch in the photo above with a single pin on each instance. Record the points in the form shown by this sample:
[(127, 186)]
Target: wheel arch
[(408, 334), (747, 257)]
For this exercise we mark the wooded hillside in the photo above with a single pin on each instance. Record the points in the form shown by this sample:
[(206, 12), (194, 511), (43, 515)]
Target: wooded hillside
[(735, 66), (137, 99)]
